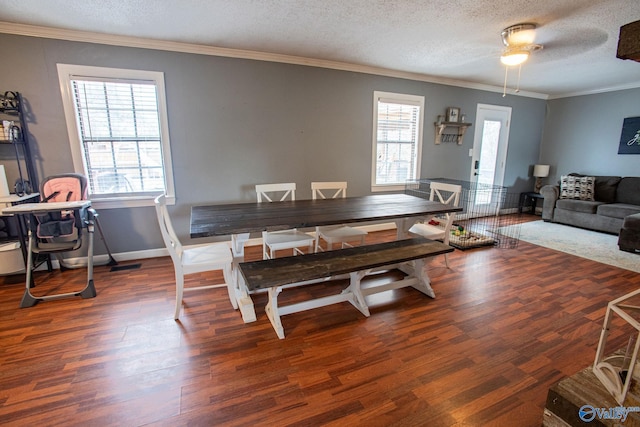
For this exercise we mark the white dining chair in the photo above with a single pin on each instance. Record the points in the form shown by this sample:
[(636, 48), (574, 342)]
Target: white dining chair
[(439, 227), (195, 259), (293, 239), (342, 234)]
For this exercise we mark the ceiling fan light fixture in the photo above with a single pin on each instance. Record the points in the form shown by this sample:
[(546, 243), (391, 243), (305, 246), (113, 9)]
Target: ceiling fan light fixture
[(519, 35), (519, 41), (514, 57)]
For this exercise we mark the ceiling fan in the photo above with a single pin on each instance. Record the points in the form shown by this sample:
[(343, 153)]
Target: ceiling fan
[(519, 41)]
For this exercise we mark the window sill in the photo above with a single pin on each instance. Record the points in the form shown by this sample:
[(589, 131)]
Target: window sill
[(387, 188), (127, 202)]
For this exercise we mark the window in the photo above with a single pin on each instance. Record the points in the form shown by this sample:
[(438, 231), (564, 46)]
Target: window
[(118, 131), (397, 140)]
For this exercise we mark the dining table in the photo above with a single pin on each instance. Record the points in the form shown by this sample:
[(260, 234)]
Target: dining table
[(238, 220)]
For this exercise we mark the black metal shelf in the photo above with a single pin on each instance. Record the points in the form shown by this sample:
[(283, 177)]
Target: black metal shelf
[(12, 106)]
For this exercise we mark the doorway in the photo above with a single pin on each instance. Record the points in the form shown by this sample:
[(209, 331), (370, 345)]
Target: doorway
[(488, 162)]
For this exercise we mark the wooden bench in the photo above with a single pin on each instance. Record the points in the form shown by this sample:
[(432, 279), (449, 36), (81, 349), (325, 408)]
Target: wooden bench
[(357, 262)]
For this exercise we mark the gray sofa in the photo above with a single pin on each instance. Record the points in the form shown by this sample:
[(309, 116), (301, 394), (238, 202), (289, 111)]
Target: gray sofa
[(614, 199)]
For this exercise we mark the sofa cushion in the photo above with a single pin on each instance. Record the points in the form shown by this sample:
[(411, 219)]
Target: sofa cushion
[(577, 187), (584, 206), (617, 210), (605, 187), (629, 191), (632, 222)]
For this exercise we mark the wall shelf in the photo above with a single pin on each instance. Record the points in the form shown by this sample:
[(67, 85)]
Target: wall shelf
[(461, 129)]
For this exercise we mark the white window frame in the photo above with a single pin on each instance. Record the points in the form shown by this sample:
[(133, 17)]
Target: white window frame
[(400, 99), (68, 72)]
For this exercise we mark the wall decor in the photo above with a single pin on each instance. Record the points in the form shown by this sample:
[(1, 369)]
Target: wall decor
[(630, 137), (453, 113), (459, 127)]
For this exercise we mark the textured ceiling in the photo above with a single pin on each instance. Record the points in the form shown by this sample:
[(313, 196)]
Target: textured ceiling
[(452, 39)]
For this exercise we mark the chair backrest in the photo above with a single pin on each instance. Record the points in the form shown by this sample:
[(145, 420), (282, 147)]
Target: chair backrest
[(269, 192), (66, 187), (168, 234), (449, 194), (328, 190)]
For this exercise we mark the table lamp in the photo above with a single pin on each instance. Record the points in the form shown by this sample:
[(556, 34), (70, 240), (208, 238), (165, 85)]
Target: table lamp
[(540, 171)]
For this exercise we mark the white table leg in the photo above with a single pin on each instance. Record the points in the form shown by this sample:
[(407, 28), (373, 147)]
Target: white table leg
[(244, 301), (403, 225)]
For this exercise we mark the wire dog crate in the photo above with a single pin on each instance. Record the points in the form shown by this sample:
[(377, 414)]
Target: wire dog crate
[(481, 222)]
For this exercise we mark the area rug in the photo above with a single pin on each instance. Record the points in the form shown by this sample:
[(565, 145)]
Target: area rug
[(592, 245)]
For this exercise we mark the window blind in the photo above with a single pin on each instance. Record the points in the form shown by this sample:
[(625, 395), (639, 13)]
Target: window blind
[(120, 135), (397, 139)]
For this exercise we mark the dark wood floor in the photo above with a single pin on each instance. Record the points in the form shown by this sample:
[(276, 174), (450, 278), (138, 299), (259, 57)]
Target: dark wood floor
[(506, 325)]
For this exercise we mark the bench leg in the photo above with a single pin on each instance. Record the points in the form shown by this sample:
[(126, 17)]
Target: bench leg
[(417, 278), (352, 294), (272, 311), (423, 283), (356, 298)]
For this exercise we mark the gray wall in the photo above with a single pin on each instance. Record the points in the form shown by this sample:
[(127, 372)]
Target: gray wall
[(234, 123), (582, 134)]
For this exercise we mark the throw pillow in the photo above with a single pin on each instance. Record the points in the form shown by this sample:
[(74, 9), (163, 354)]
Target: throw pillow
[(577, 187)]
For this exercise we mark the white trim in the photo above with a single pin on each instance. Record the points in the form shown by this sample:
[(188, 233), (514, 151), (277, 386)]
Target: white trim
[(100, 260), (387, 188), (129, 202), (596, 91), (162, 252), (126, 41), (199, 49), (390, 97), (66, 72)]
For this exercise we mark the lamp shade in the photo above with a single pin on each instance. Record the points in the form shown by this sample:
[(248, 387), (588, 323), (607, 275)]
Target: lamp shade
[(541, 171), (514, 57)]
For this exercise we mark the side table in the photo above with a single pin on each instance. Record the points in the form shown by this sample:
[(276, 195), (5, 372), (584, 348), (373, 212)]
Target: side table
[(529, 199)]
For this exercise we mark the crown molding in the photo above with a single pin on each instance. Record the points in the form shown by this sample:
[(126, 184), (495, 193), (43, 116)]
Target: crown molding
[(595, 92), (199, 49)]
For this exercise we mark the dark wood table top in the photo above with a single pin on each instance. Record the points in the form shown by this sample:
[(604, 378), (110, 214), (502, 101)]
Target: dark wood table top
[(236, 218)]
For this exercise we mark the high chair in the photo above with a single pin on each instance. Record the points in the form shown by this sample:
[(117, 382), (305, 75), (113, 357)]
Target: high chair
[(54, 228)]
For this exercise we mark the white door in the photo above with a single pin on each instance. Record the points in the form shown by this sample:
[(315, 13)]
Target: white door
[(490, 143)]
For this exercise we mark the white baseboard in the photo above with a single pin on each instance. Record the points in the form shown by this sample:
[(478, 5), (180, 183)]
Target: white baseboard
[(79, 262)]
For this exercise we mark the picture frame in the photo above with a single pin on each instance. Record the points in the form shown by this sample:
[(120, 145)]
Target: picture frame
[(453, 114), (630, 136)]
